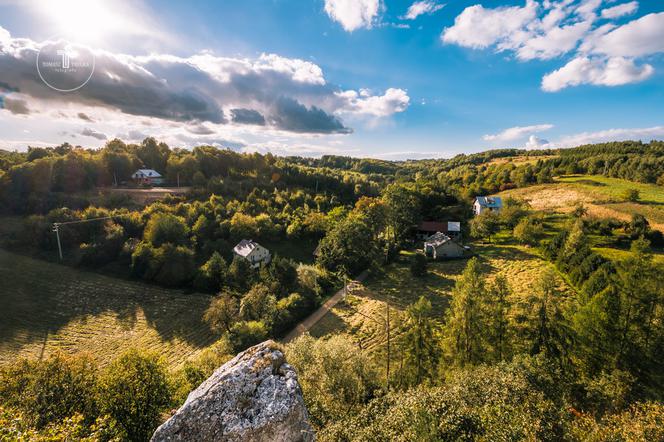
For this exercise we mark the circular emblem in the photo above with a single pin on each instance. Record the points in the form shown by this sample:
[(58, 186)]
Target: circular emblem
[(65, 66)]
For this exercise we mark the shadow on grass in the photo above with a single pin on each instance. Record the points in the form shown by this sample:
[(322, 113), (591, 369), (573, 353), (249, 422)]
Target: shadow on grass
[(38, 297)]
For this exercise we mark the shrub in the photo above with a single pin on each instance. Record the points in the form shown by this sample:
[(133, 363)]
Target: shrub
[(418, 265), (134, 391), (245, 334), (50, 390), (631, 195)]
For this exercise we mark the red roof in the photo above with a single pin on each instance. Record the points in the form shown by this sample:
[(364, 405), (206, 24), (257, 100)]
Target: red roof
[(433, 226)]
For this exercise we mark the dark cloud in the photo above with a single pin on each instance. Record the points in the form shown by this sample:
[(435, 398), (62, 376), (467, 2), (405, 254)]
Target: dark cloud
[(85, 117), (247, 116), (283, 93), (295, 117), (87, 132), (15, 106)]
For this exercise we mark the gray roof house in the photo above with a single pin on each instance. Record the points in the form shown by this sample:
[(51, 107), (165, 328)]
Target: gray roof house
[(252, 252), (487, 203), (441, 246), (147, 176)]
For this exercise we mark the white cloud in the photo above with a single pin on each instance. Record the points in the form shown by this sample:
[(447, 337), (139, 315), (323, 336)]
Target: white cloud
[(353, 14), (643, 134), (643, 36), (620, 10), (422, 7), (555, 42), (614, 71), (517, 132), (605, 54), (393, 101), (536, 143), (478, 27)]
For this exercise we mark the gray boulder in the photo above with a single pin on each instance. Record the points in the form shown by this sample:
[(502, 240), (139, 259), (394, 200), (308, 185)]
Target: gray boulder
[(253, 397)]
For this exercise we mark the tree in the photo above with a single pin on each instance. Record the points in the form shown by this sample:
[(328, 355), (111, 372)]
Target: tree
[(527, 231), (337, 378), (484, 225), (403, 211), (280, 275), (348, 247), (134, 391), (549, 332), (638, 226), (641, 322), (212, 275), (464, 323), (258, 303), (222, 312), (166, 228), (240, 273), (418, 264), (420, 347), (631, 195), (498, 308)]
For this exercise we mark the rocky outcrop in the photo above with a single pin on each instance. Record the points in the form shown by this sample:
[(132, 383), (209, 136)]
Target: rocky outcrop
[(253, 397)]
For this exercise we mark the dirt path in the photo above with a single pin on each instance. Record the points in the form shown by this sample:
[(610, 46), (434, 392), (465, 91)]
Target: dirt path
[(316, 316)]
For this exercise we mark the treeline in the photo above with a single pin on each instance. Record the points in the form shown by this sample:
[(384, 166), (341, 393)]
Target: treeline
[(46, 178)]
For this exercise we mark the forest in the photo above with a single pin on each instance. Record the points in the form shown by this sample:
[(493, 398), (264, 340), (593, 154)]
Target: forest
[(551, 366)]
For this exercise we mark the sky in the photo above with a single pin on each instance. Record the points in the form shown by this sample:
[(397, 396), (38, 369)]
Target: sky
[(387, 79)]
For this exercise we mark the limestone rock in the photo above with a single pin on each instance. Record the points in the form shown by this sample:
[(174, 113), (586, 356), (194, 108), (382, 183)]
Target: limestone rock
[(253, 397)]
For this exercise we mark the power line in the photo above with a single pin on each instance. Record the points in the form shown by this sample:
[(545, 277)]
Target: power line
[(56, 227)]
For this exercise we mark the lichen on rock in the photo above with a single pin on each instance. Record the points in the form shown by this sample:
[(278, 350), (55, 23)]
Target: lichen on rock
[(253, 397)]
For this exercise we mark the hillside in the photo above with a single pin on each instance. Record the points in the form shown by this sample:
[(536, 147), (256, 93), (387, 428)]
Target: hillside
[(49, 308)]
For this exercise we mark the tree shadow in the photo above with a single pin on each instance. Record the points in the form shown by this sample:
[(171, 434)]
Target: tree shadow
[(40, 298)]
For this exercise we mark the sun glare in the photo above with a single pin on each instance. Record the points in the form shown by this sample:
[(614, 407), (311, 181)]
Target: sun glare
[(86, 21)]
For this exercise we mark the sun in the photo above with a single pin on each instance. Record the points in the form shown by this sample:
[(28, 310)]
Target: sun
[(85, 21)]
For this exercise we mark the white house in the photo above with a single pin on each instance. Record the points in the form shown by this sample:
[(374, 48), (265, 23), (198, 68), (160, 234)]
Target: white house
[(487, 203), (252, 252), (147, 176), (441, 246)]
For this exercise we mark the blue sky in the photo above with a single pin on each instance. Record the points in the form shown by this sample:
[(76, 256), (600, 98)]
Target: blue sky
[(389, 79)]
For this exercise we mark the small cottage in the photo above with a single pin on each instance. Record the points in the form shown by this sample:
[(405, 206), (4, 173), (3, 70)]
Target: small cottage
[(441, 246), (487, 203), (147, 176), (252, 252)]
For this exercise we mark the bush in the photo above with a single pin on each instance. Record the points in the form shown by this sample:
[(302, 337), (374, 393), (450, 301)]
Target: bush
[(631, 195), (245, 334), (134, 391), (51, 390), (418, 265)]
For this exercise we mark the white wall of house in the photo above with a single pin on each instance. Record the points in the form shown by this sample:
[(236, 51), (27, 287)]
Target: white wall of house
[(260, 255)]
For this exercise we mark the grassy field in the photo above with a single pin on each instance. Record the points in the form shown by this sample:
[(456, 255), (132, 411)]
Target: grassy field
[(362, 315), (48, 307), (602, 197)]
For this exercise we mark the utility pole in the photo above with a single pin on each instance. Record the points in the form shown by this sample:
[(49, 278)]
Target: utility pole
[(388, 345), (56, 229)]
